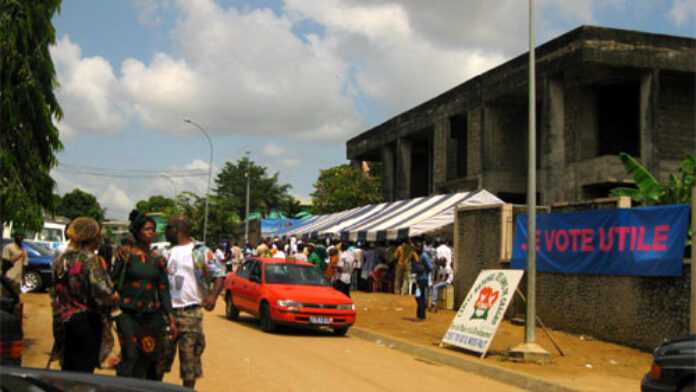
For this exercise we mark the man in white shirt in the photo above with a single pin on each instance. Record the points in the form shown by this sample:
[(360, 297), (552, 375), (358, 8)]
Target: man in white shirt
[(344, 270), (195, 283), (444, 252), (443, 279)]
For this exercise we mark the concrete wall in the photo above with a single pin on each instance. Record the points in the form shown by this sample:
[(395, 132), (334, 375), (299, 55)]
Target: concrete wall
[(634, 311)]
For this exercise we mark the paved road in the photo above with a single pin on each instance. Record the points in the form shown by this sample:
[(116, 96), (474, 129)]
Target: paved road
[(240, 357)]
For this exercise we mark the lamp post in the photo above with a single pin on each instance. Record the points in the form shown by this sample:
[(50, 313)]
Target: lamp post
[(246, 215), (210, 173), (529, 351)]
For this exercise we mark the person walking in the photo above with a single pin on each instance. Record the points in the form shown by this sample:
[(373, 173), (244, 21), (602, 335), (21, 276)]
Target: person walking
[(421, 267), (81, 299), (14, 258), (196, 280), (140, 275), (405, 255)]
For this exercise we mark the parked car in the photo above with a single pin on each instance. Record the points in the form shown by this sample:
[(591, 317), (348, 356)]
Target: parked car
[(18, 379), (37, 274), (11, 334), (288, 293), (673, 367)]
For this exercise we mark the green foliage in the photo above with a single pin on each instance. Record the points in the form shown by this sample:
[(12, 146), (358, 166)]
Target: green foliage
[(80, 203), (266, 193), (650, 191), (157, 203), (28, 107), (343, 187)]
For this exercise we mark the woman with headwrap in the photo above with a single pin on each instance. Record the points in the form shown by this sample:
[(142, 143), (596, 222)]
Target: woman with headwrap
[(81, 298), (140, 275)]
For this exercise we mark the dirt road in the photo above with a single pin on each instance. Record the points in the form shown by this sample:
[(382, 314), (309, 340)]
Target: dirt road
[(240, 357)]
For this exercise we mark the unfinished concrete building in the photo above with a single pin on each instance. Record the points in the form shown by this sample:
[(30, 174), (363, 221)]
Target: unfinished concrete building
[(600, 92)]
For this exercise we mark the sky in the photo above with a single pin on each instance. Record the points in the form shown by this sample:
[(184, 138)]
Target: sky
[(289, 81)]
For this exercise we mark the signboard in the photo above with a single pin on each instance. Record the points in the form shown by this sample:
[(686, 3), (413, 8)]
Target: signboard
[(477, 320), (646, 241)]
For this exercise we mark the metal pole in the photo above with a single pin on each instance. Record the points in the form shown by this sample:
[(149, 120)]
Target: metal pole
[(692, 326), (210, 174), (530, 323), (246, 215)]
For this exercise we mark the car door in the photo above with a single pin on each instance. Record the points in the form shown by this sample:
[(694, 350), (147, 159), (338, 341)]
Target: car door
[(240, 286), (254, 288)]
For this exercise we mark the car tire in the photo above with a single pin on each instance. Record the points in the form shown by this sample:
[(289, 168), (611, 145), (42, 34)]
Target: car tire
[(231, 311), (340, 331), (267, 324), (32, 281)]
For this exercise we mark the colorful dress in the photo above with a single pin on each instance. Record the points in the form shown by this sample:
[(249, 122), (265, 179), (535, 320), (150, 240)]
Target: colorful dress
[(81, 298), (143, 286)]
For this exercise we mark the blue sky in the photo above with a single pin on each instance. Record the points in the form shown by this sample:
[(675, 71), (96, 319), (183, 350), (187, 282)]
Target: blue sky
[(290, 81)]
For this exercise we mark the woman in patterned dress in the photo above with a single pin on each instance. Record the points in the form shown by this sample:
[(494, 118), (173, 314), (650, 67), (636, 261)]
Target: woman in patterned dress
[(140, 276)]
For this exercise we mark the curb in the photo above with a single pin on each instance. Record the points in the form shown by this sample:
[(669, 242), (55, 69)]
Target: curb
[(510, 377)]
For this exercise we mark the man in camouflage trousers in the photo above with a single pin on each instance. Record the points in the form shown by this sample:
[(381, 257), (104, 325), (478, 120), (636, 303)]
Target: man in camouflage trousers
[(195, 283)]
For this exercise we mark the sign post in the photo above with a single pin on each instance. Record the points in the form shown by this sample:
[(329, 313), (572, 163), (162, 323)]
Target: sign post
[(477, 320)]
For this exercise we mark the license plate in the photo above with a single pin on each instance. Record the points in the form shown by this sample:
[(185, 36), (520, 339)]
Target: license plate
[(320, 320)]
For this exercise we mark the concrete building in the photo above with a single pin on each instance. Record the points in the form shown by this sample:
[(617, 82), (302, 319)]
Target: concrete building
[(600, 92)]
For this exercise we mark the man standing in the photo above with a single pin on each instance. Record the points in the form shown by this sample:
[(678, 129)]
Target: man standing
[(14, 257), (195, 282), (405, 254), (344, 270)]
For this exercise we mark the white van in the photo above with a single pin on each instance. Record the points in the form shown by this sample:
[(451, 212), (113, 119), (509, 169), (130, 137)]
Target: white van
[(52, 235)]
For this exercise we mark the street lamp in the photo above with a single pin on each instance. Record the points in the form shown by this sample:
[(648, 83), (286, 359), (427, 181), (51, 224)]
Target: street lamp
[(210, 173), (246, 216)]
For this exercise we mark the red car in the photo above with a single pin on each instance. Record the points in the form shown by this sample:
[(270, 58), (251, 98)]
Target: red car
[(288, 293)]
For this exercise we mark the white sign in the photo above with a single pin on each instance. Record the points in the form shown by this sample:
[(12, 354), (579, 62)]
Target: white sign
[(477, 320)]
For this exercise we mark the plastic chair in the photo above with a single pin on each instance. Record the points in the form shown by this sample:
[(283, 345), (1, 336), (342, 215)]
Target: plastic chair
[(411, 283)]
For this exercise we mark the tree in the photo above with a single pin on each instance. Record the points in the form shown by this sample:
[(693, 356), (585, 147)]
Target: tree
[(266, 193), (157, 203), (343, 187), (29, 138), (649, 190), (80, 203)]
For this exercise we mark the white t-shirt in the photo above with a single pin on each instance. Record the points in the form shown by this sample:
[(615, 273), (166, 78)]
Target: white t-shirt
[(444, 252), (183, 286), (346, 262)]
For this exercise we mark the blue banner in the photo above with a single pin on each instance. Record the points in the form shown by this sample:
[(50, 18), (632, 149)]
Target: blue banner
[(270, 227), (645, 241)]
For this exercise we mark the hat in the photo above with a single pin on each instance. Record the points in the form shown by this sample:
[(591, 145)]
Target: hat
[(83, 229)]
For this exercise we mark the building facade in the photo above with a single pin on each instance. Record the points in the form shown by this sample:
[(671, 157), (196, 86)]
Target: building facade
[(600, 92)]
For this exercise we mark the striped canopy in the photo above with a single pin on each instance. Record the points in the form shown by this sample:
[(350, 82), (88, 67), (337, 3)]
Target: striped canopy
[(391, 221)]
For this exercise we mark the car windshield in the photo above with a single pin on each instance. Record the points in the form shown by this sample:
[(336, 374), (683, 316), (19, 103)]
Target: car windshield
[(51, 235), (294, 274), (41, 249)]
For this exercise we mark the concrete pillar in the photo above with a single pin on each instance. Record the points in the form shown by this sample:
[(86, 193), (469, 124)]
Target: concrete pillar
[(649, 100), (554, 158), (388, 172), (440, 145), (402, 186), (474, 142)]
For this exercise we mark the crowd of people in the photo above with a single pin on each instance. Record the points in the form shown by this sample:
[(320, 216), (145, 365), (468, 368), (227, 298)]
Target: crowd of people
[(422, 267), (154, 299)]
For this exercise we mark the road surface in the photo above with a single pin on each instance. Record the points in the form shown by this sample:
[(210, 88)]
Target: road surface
[(240, 357)]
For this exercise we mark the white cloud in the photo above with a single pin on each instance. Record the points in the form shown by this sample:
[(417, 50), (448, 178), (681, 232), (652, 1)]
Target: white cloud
[(291, 162), (89, 92), (683, 11), (116, 200), (273, 150)]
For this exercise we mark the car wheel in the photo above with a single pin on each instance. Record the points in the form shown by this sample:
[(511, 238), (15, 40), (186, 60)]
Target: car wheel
[(267, 324), (32, 282), (691, 387), (231, 311), (340, 331)]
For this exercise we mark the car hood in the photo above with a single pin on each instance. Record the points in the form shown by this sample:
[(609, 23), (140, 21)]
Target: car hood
[(43, 261), (309, 294)]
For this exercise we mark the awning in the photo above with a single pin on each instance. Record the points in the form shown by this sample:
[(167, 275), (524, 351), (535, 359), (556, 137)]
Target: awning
[(395, 220)]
